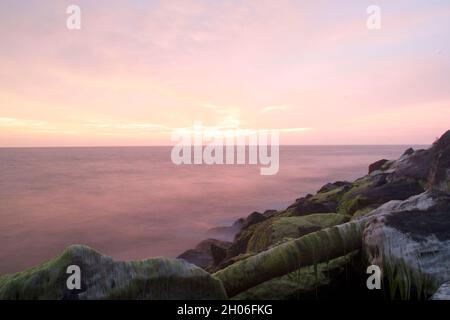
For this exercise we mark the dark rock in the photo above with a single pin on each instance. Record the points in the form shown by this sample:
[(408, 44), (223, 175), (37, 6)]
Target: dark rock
[(218, 253), (253, 218), (414, 167), (408, 152), (306, 230), (304, 206), (332, 186), (439, 177), (377, 192), (377, 165), (269, 213), (202, 255)]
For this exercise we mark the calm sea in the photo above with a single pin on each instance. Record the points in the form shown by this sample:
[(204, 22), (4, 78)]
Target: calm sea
[(133, 203)]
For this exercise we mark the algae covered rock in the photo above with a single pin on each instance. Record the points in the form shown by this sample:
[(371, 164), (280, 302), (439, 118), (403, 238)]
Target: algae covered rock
[(104, 278), (280, 229), (325, 200), (295, 285), (311, 249)]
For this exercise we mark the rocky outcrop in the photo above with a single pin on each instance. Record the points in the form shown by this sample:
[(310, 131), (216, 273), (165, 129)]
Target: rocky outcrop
[(104, 278), (399, 211)]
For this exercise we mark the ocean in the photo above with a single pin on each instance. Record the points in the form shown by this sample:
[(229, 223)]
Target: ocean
[(134, 203)]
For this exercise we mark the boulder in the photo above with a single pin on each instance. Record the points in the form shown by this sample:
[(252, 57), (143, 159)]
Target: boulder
[(408, 152), (280, 229), (439, 177), (205, 253), (104, 278), (410, 241), (377, 165)]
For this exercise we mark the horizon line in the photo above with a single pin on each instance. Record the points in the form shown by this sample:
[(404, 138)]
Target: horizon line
[(169, 145)]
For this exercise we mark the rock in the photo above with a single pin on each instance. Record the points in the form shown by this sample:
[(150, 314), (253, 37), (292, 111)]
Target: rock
[(439, 177), (104, 278), (415, 167), (377, 165), (408, 152), (326, 200), (332, 186), (410, 241), (280, 229), (375, 191), (202, 255), (269, 213), (311, 249), (218, 254), (298, 284), (239, 245), (253, 218), (443, 293), (305, 206)]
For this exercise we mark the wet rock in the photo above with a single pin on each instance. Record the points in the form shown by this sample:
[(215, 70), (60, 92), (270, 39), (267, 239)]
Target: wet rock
[(104, 278), (204, 254), (280, 229)]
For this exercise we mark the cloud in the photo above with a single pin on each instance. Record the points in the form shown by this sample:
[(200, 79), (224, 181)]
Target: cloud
[(274, 108)]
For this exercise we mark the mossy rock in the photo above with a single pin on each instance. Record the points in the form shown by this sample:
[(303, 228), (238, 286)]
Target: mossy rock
[(104, 278), (277, 230), (298, 283), (311, 249)]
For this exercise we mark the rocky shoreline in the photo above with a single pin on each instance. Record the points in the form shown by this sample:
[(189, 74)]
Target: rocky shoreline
[(396, 217)]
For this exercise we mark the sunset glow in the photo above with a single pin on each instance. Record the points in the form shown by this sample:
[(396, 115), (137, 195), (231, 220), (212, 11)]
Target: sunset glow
[(311, 69)]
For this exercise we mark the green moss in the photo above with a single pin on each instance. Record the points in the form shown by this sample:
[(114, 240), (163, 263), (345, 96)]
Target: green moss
[(278, 229), (362, 212), (45, 281), (104, 278), (332, 195), (308, 250), (293, 285)]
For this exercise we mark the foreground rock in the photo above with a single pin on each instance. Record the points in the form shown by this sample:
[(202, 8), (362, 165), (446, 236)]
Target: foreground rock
[(104, 278), (411, 241)]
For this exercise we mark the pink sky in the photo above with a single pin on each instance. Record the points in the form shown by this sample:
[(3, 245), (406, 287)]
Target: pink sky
[(139, 69)]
